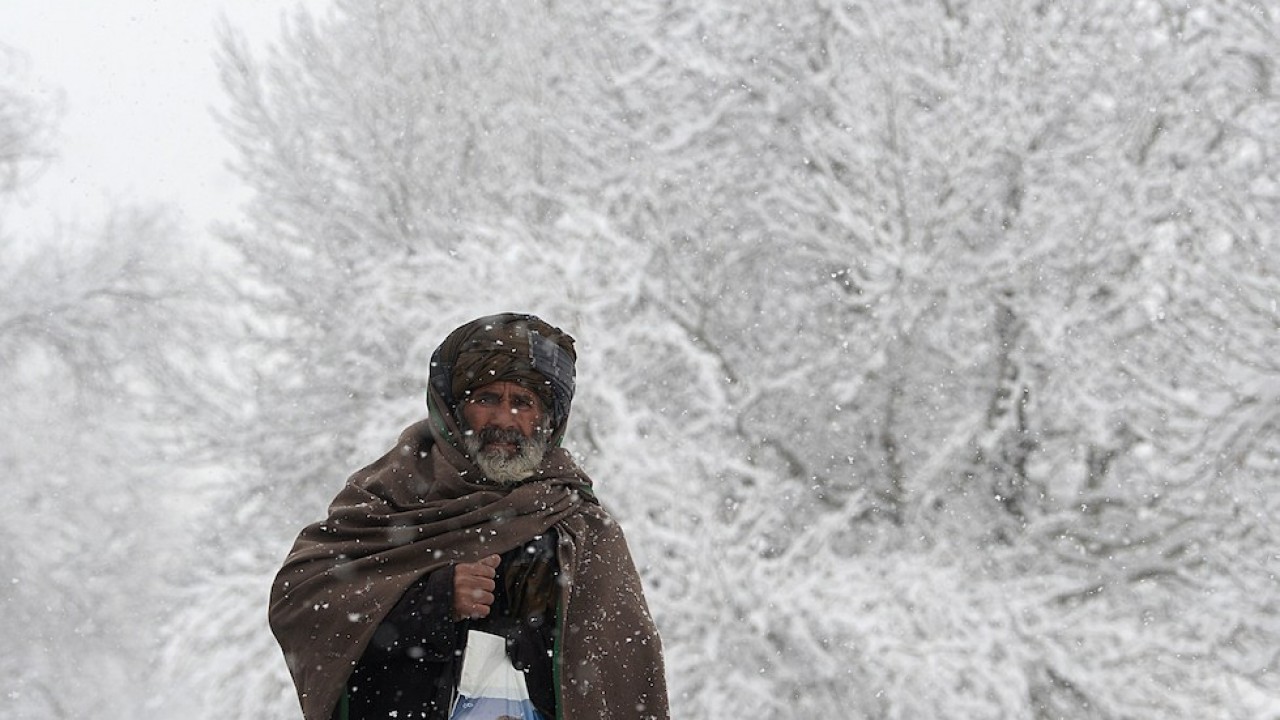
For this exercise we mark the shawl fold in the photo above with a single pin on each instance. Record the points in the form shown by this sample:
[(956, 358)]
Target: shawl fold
[(424, 506)]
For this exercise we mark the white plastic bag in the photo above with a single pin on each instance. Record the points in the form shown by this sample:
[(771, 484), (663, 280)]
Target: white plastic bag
[(491, 688)]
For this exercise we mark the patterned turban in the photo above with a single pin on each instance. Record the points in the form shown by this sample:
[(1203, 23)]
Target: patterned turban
[(514, 347)]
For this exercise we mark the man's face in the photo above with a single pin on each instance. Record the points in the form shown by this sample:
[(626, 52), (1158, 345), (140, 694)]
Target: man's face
[(504, 430), (505, 406)]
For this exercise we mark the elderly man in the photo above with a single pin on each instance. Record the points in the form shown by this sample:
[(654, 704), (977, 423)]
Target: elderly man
[(476, 536)]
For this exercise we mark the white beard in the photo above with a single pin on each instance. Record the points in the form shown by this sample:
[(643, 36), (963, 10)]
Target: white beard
[(502, 468)]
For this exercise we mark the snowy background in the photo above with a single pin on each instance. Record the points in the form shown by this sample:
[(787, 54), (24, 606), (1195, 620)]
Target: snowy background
[(930, 351)]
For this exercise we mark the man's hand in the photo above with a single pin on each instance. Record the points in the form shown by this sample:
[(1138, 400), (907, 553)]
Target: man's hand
[(473, 585)]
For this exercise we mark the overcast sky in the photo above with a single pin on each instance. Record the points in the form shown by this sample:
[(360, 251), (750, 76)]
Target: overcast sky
[(138, 82)]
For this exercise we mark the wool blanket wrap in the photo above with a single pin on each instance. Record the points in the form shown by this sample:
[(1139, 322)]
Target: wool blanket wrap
[(424, 506)]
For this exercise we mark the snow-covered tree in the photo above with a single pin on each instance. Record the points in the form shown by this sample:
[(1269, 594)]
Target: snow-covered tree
[(967, 219), (103, 332), (927, 349)]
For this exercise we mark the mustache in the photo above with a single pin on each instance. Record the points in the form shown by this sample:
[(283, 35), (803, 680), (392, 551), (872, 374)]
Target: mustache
[(490, 435)]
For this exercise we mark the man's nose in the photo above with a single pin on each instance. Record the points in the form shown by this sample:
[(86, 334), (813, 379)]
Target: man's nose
[(503, 417)]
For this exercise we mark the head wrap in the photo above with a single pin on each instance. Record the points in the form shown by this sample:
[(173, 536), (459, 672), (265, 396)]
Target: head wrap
[(514, 347)]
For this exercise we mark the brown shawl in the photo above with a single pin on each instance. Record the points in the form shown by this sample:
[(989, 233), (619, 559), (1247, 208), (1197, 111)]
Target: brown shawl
[(424, 506)]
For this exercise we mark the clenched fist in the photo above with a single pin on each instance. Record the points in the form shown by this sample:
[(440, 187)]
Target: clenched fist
[(473, 585)]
